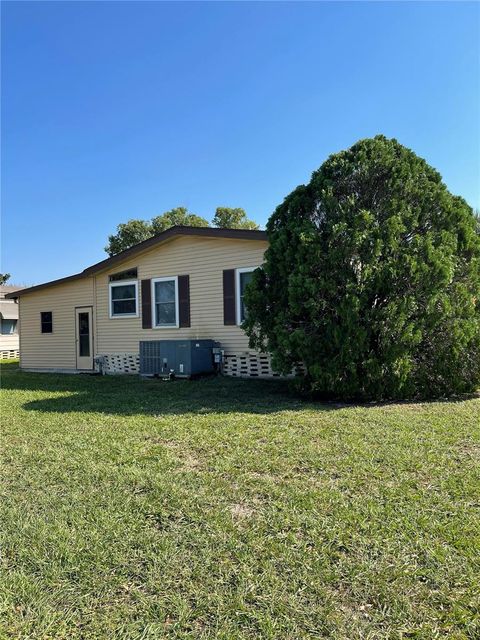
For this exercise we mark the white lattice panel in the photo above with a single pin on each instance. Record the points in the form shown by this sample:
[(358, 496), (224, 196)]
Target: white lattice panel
[(9, 354), (121, 362), (252, 365), (237, 365)]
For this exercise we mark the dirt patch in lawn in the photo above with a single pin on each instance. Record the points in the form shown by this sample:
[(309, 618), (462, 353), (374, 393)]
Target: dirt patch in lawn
[(241, 511)]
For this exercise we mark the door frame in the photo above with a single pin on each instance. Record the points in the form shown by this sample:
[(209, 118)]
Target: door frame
[(77, 340)]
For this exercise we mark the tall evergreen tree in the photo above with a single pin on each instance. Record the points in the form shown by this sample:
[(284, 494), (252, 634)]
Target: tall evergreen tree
[(372, 280)]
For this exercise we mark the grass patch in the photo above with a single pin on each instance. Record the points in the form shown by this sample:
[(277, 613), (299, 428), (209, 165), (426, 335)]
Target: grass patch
[(228, 509)]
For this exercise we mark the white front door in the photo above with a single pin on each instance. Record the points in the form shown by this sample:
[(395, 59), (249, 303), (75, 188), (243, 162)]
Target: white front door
[(84, 337)]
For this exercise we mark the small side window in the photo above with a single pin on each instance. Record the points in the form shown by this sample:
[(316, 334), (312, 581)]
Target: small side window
[(46, 321), (129, 274), (9, 327)]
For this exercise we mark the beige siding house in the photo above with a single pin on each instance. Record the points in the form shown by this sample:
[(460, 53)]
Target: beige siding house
[(9, 341), (186, 283)]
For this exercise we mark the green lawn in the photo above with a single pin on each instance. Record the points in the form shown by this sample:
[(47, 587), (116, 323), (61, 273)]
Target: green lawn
[(228, 509)]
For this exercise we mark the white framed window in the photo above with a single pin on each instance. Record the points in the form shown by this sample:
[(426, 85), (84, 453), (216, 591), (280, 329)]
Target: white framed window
[(165, 302), (123, 299), (8, 326), (243, 277)]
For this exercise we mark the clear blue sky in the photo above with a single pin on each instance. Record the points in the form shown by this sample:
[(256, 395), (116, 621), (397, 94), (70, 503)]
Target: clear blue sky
[(119, 110)]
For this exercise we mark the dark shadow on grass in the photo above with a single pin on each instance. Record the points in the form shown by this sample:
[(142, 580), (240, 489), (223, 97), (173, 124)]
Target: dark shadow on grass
[(131, 395)]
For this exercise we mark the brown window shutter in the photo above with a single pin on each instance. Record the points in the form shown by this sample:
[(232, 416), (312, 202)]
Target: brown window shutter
[(146, 304), (183, 301), (229, 296)]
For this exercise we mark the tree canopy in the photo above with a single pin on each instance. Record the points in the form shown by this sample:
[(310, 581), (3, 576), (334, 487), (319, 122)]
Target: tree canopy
[(4, 278), (128, 234), (135, 231), (371, 280), (236, 218), (180, 216)]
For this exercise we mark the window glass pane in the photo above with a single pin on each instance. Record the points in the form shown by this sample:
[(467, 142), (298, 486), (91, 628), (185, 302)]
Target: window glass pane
[(130, 274), (83, 323), (245, 278), (46, 321), (9, 326), (243, 310), (124, 299), (165, 313), (124, 291), (165, 291), (120, 307), (84, 334), (84, 346)]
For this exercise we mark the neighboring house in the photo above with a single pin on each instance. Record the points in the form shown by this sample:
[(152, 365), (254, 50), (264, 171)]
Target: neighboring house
[(187, 282), (8, 323)]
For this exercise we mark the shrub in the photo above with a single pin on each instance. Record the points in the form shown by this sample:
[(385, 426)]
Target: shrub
[(372, 280)]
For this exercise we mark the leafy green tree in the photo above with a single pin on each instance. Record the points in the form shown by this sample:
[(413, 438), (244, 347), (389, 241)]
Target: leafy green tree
[(228, 218), (371, 280), (4, 278), (180, 216), (135, 231), (128, 234)]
